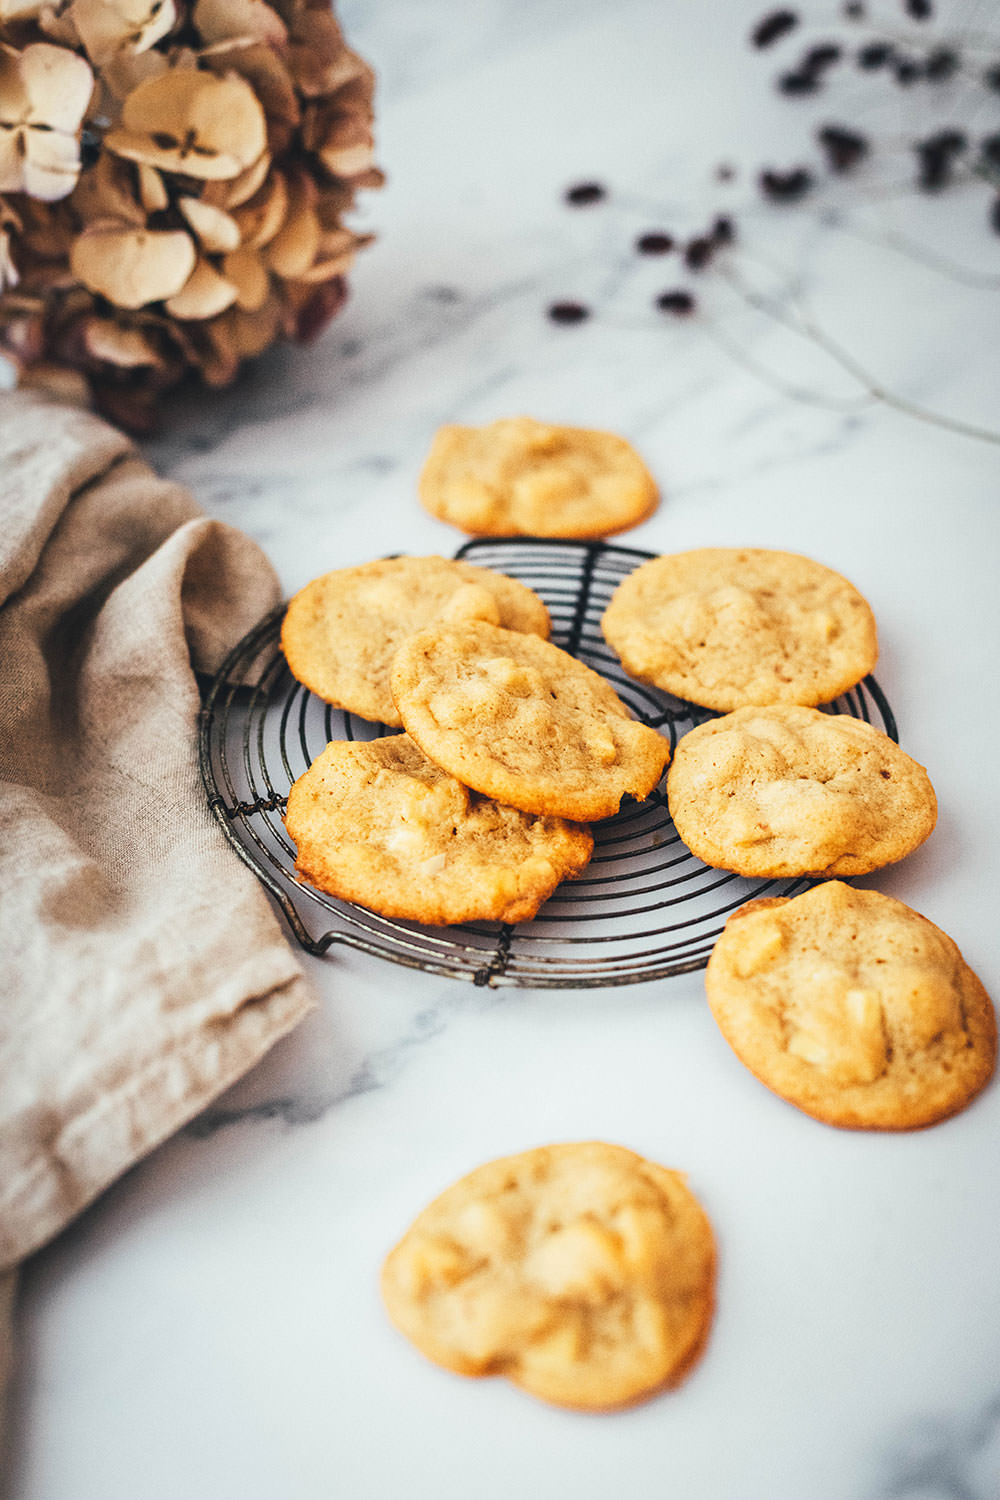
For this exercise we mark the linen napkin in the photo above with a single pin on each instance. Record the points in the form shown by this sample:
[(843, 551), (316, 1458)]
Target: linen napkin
[(141, 967)]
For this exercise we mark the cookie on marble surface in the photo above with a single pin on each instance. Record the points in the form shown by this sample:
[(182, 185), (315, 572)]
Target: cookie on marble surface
[(379, 824), (520, 720), (852, 1007), (727, 627), (521, 477), (785, 790), (340, 632), (582, 1272)]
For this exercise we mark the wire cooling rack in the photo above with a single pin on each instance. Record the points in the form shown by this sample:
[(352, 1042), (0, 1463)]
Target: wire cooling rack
[(644, 908)]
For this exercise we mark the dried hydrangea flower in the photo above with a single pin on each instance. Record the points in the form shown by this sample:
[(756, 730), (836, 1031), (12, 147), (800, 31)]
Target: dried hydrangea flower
[(44, 92), (109, 26), (132, 267)]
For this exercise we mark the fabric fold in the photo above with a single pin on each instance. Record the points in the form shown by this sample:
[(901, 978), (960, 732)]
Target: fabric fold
[(143, 970)]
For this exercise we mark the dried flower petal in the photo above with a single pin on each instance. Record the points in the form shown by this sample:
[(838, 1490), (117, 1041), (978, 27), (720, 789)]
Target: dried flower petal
[(109, 26), (776, 24), (222, 20), (10, 225), (193, 123), (294, 247), (132, 267), (108, 191), (44, 93), (259, 219), (205, 294), (110, 342), (152, 190), (217, 231), (247, 272)]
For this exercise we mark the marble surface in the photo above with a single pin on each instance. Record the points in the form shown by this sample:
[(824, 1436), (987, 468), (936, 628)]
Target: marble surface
[(212, 1327)]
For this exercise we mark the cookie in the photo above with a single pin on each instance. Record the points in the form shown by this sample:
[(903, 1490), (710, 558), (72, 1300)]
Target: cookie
[(519, 477), (340, 632), (379, 824), (727, 627), (581, 1272), (852, 1007), (522, 721), (792, 791)]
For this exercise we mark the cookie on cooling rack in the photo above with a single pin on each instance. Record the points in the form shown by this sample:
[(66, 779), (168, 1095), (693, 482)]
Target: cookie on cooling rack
[(520, 720), (379, 824), (340, 632), (785, 790), (852, 1007), (520, 477), (728, 627), (581, 1272)]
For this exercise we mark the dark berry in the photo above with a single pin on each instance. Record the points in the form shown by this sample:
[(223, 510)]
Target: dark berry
[(698, 252), (777, 23), (940, 64), (822, 56), (679, 304), (854, 10), (875, 55), (785, 187), (989, 151), (795, 84), (906, 72), (991, 78), (918, 10), (568, 312), (723, 231), (584, 193), (655, 243), (844, 148), (935, 158)]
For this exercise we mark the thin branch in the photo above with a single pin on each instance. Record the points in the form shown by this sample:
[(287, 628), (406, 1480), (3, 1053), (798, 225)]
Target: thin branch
[(802, 323)]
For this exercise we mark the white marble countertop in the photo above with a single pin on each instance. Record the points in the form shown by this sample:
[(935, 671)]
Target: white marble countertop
[(212, 1327)]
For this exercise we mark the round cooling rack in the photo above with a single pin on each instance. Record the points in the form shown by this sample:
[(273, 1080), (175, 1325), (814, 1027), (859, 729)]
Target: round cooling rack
[(644, 908)]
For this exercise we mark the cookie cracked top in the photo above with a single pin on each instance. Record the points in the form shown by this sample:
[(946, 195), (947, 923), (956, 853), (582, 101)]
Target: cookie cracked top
[(785, 790), (379, 824), (520, 720), (521, 477), (727, 627), (853, 1007), (582, 1272)]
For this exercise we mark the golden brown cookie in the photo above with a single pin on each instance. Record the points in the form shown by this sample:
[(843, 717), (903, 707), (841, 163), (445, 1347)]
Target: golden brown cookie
[(340, 632), (852, 1007), (519, 477), (785, 790), (522, 721), (379, 824), (581, 1272), (731, 626)]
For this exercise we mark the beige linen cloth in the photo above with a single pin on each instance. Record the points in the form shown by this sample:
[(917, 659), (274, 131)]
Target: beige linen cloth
[(141, 967)]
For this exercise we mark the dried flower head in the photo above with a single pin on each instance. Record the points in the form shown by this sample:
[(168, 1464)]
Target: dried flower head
[(177, 172)]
